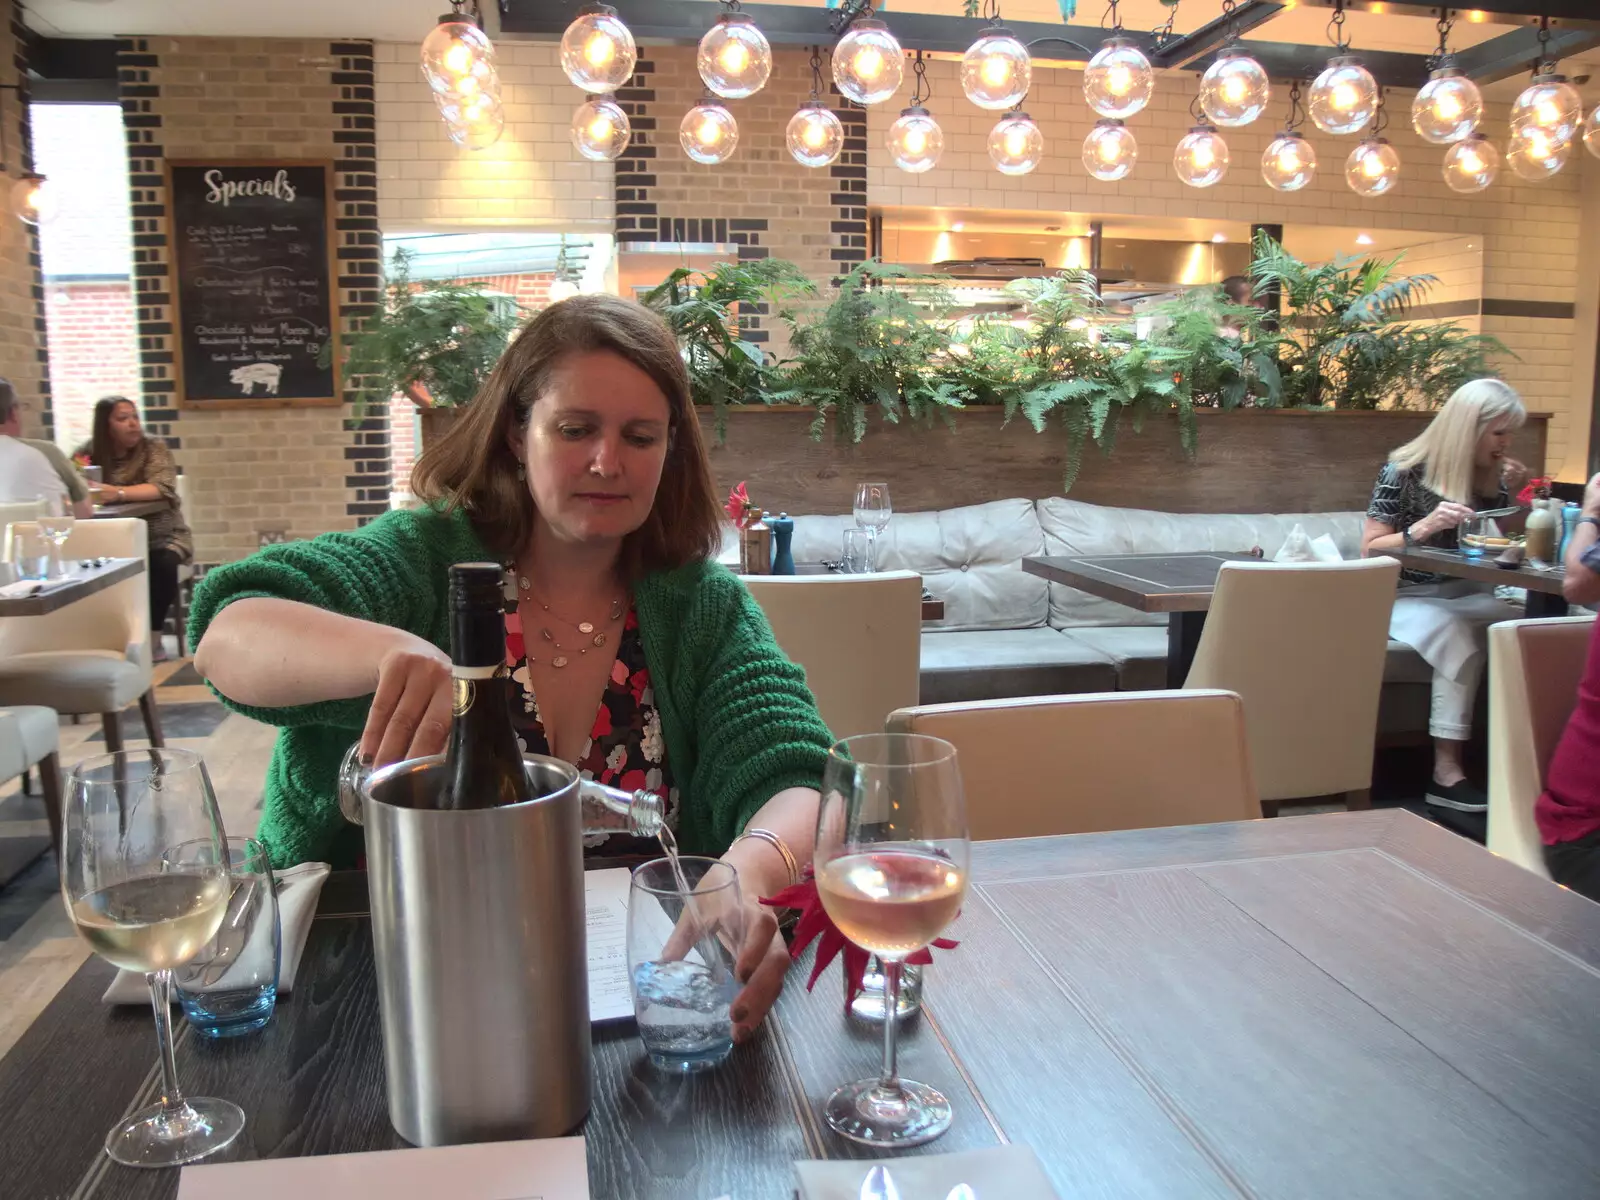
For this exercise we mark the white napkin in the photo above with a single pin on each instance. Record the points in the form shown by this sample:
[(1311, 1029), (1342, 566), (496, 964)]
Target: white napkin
[(21, 589), (298, 888), (996, 1173)]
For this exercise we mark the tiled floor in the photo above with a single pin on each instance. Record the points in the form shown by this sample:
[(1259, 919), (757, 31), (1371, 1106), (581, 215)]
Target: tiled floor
[(38, 949)]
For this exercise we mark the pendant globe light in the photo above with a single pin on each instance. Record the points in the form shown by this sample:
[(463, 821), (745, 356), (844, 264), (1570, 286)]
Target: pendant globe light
[(1551, 104), (814, 134), (1235, 89), (600, 129), (1015, 144), (915, 140), (597, 49), (996, 71), (735, 58), (34, 200), (1471, 164), (1201, 158), (868, 63), (1289, 161), (1449, 106), (708, 133), (456, 51), (1591, 132), (1373, 167), (473, 122), (1118, 80), (1345, 95), (1533, 154), (1110, 151)]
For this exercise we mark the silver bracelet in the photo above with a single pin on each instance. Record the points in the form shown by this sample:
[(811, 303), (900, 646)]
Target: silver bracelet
[(778, 844)]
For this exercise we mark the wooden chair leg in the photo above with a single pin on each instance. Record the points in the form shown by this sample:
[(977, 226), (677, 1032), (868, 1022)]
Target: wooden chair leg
[(27, 783), (1269, 808), (1358, 799), (50, 785), (152, 718), (111, 724)]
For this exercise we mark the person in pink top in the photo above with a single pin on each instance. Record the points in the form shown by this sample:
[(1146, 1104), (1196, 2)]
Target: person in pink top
[(1568, 813)]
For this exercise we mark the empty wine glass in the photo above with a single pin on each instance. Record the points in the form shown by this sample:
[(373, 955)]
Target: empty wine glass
[(891, 867), (144, 873), (872, 511), (55, 522)]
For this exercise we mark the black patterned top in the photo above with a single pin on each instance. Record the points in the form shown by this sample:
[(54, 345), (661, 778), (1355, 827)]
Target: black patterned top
[(1400, 499), (626, 748)]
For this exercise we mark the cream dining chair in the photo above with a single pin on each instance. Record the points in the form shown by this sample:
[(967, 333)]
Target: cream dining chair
[(859, 638), (29, 737), (1095, 761), (92, 656), (1303, 644), (1534, 670)]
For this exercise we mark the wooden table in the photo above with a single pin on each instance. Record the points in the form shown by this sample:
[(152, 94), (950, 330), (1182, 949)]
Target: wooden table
[(1353, 1004), (1179, 584), (134, 508), (1543, 587), (58, 593)]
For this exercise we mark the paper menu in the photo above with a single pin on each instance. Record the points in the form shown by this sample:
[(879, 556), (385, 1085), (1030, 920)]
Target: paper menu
[(543, 1169), (605, 897)]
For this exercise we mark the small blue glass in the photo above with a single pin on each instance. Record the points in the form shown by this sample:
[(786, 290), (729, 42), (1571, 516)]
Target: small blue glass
[(231, 987)]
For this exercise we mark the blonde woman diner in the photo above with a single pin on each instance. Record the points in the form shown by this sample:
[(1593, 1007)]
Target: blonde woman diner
[(1429, 486)]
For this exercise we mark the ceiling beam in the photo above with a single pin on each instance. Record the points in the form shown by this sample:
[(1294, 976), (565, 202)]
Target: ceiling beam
[(1570, 14), (682, 22), (1213, 35), (1514, 53)]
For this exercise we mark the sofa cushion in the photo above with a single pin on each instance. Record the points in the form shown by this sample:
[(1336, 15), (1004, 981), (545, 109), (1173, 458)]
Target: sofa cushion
[(971, 558), (1139, 653), (1071, 527), (998, 663)]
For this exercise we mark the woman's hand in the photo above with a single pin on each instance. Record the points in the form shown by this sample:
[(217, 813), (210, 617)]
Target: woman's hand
[(411, 707), (1513, 477), (762, 964), (1449, 515)]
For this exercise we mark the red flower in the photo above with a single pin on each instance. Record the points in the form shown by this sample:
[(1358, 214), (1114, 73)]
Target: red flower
[(632, 781), (602, 723), (738, 503), (815, 925), (1536, 489)]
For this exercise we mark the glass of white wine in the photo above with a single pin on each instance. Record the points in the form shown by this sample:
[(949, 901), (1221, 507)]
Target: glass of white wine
[(891, 866), (872, 510), (144, 872), (55, 522)]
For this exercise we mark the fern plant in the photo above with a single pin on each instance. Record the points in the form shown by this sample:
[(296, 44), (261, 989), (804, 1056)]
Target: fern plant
[(1223, 354)]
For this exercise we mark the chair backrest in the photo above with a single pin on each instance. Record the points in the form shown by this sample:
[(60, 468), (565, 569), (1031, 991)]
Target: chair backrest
[(1091, 762), (16, 511), (1304, 645), (859, 638), (116, 619), (1534, 671)]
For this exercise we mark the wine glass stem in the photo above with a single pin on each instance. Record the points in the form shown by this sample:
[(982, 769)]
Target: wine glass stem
[(872, 549), (890, 1082), (161, 997)]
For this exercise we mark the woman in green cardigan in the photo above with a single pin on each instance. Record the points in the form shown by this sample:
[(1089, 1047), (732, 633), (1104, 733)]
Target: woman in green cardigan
[(581, 467)]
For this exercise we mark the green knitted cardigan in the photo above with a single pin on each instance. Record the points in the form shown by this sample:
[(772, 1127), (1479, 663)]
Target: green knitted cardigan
[(739, 722)]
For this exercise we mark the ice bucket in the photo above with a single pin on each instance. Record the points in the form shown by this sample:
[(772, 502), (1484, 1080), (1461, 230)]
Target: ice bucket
[(478, 933)]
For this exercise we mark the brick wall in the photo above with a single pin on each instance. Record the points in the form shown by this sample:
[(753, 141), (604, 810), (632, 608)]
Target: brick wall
[(92, 350), (22, 329), (1529, 232), (267, 472)]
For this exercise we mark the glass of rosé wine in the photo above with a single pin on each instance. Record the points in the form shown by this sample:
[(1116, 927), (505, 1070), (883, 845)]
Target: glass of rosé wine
[(891, 867)]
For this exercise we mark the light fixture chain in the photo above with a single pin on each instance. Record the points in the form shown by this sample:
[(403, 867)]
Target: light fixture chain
[(1380, 115), (1441, 55), (1336, 28), (816, 72), (1113, 16), (920, 90), (1162, 33), (1297, 114)]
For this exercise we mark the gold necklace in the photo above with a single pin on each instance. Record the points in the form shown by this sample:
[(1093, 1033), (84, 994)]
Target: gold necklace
[(596, 637)]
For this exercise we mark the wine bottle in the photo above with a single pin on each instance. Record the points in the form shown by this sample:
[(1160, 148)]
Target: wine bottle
[(483, 763)]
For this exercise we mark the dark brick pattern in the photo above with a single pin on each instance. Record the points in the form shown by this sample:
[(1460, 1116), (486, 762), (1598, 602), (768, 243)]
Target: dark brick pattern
[(849, 174), (20, 37)]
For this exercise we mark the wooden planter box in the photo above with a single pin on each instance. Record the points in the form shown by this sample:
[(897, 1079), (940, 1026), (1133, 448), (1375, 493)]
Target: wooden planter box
[(1249, 460)]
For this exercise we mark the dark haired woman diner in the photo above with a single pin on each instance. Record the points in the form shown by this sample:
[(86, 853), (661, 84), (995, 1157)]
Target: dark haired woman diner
[(635, 657), (1457, 465), (137, 467)]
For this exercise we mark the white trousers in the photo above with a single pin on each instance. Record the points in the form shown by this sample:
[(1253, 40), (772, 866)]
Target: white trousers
[(1447, 624)]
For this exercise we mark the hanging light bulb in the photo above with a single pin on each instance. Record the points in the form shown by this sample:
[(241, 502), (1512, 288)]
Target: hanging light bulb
[(597, 50), (456, 50), (1201, 158), (814, 135), (1289, 162), (915, 140), (735, 58), (1110, 151), (1471, 164), (708, 133), (1372, 168), (1235, 89), (1446, 108), (1118, 81), (473, 122), (1550, 104), (600, 129), (1344, 96), (868, 64), (34, 200), (1591, 132), (997, 70), (1534, 153), (1015, 144)]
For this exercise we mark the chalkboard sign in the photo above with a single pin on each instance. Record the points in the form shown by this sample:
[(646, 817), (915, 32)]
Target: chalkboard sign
[(253, 282)]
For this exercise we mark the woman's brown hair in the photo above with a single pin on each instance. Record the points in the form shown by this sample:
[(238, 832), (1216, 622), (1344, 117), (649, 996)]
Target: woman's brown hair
[(102, 448), (472, 466)]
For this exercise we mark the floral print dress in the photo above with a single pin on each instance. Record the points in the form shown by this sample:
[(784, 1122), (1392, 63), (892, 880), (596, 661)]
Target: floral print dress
[(625, 749)]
